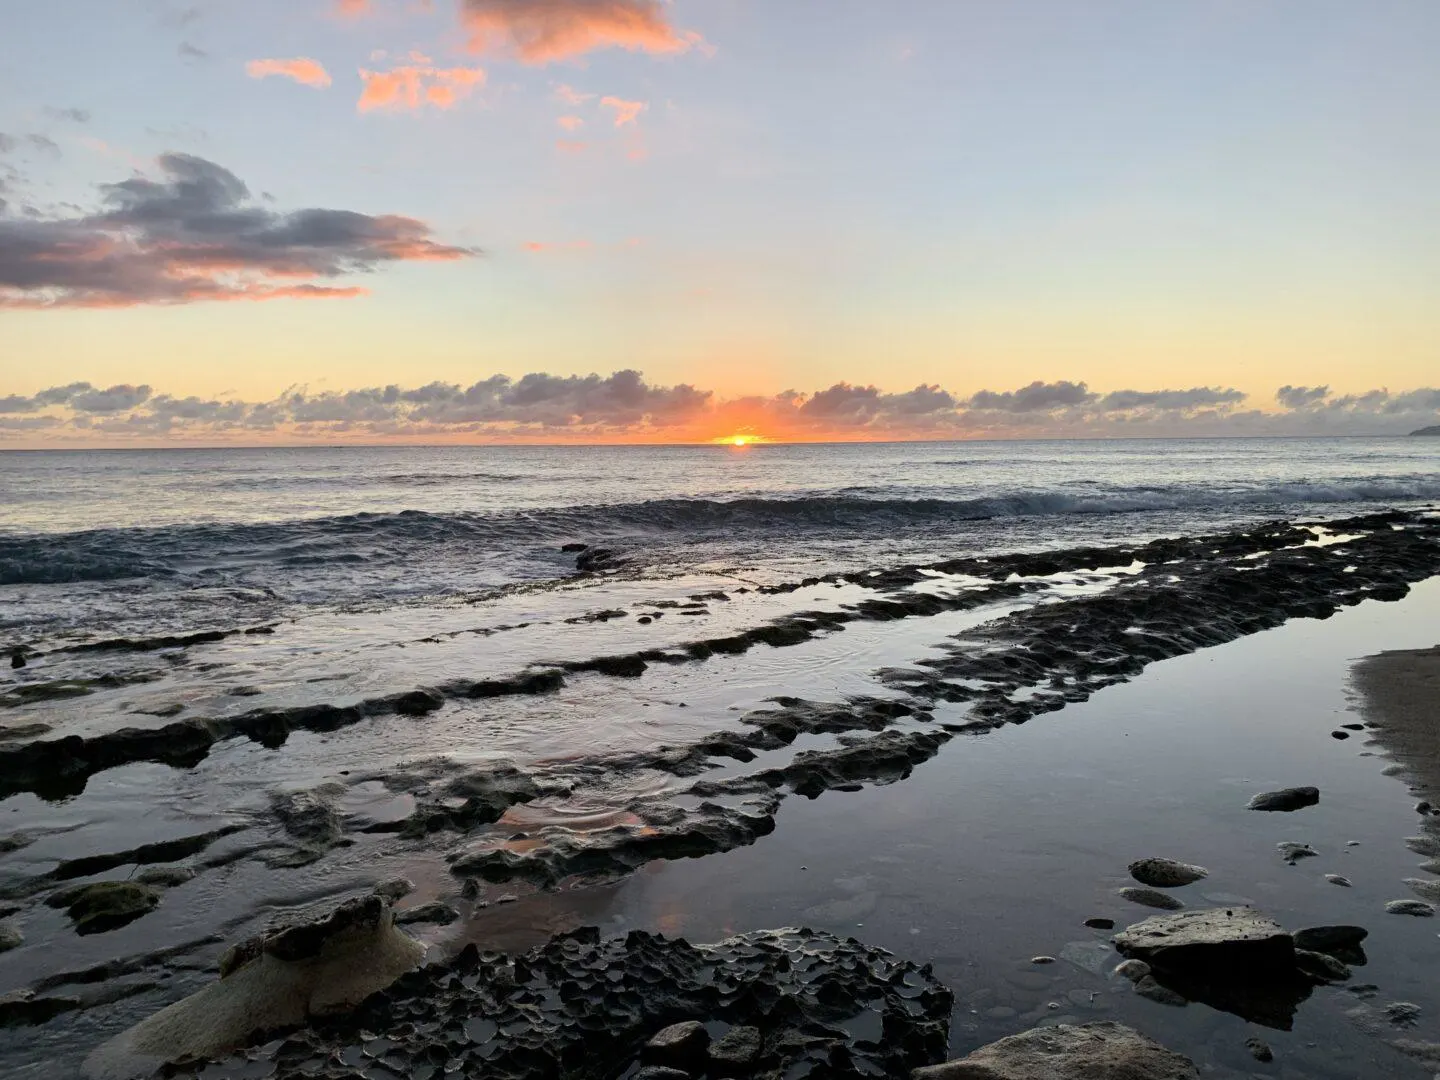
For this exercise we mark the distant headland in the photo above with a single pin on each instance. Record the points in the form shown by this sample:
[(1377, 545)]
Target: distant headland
[(1433, 429)]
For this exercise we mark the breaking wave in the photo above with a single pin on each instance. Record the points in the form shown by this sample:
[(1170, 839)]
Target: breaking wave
[(116, 554)]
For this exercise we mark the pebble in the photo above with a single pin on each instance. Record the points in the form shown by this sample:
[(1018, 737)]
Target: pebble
[(1410, 907), (1337, 879), (1423, 807), (1340, 734), (508, 898), (1042, 959), (1151, 898), (1259, 1050)]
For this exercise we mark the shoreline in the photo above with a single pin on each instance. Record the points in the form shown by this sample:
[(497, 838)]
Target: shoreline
[(1401, 691)]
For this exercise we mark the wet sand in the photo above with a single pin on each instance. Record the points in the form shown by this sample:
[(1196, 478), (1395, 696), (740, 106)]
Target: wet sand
[(1402, 704)]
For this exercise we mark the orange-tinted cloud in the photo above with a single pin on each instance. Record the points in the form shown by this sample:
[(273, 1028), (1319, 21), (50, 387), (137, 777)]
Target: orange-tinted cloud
[(197, 234), (570, 123), (352, 8), (302, 69), (542, 31), (625, 111), (539, 247), (416, 86), (571, 146)]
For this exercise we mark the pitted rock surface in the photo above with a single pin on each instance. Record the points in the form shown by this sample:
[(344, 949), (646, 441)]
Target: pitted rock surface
[(582, 1007)]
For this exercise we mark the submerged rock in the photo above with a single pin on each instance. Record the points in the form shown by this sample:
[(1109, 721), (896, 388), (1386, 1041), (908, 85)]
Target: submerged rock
[(1166, 873), (1292, 852), (1259, 1050), (10, 938), (735, 1052), (1068, 1052), (1329, 939), (1151, 898), (1426, 888), (277, 980), (105, 905), (1286, 799)]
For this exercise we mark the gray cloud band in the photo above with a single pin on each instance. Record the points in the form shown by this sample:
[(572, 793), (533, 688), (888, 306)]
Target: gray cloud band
[(574, 406)]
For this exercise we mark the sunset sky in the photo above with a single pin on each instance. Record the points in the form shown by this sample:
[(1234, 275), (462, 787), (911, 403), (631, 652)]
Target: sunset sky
[(285, 220)]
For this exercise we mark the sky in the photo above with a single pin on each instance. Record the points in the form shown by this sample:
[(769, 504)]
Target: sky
[(635, 220)]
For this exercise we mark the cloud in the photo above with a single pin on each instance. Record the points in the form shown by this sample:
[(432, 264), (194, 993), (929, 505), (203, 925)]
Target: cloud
[(571, 146), (623, 405), (1038, 396), (542, 31), (625, 111), (302, 69), (352, 8), (1301, 397), (191, 52), (74, 116), (197, 234), (415, 86), (1194, 398), (570, 96), (538, 246), (570, 123)]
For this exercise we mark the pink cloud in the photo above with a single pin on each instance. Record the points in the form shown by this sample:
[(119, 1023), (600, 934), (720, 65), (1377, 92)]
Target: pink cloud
[(302, 69), (569, 146), (540, 247), (570, 123), (542, 31), (625, 111), (352, 8), (570, 96), (415, 86)]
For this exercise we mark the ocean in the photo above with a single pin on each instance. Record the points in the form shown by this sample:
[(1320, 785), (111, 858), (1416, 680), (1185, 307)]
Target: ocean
[(551, 686)]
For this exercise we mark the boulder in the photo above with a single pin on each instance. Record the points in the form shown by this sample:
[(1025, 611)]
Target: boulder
[(276, 980), (1101, 1051), (735, 1052), (679, 1045), (1166, 873), (1217, 937), (1286, 799), (1233, 959)]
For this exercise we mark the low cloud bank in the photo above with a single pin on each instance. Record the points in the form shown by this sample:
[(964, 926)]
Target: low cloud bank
[(623, 406)]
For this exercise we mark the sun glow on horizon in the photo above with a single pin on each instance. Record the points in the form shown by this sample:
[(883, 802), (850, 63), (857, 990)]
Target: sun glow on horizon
[(740, 440)]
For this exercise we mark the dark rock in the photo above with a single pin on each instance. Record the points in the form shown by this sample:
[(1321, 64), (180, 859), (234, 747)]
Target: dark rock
[(735, 1052), (1402, 1014), (434, 912), (105, 905), (1166, 873), (166, 877), (21, 1008), (573, 547), (581, 1007), (1427, 889), (1339, 879), (1295, 798), (681, 1045), (1100, 924), (1134, 970), (594, 560), (1327, 939), (10, 938), (1151, 898), (1259, 1050), (17, 658), (660, 1072), (1340, 734), (1067, 1052)]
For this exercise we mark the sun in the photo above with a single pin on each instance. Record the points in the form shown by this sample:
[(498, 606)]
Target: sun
[(740, 440)]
